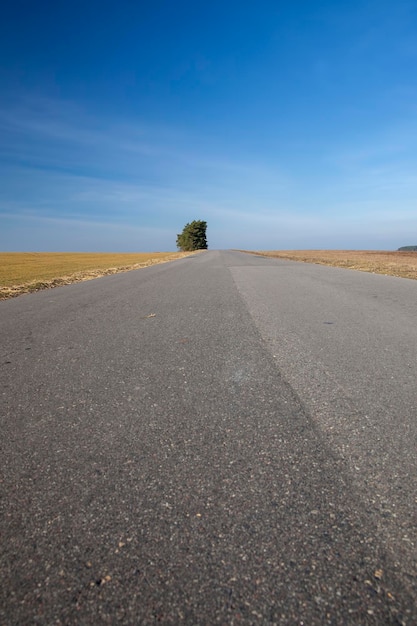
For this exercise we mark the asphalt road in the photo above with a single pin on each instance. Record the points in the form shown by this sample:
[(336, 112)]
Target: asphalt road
[(225, 439)]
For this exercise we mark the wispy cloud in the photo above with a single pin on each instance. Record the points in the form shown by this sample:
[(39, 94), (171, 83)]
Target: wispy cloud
[(105, 183), (40, 233), (111, 164)]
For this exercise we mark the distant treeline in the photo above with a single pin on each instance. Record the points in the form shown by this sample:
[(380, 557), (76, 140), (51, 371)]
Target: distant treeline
[(407, 249)]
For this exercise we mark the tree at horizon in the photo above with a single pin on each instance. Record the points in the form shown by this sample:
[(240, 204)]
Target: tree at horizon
[(193, 236)]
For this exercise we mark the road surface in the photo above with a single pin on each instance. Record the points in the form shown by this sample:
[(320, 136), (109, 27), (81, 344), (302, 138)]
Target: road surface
[(225, 439)]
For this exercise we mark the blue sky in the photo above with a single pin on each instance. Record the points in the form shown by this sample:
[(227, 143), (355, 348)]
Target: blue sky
[(282, 124)]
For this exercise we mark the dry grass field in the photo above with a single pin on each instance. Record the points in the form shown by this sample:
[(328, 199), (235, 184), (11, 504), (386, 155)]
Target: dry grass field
[(22, 272), (402, 264)]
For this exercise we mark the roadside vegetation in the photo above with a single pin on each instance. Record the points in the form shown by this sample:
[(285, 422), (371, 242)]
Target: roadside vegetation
[(193, 236), (23, 272), (401, 264)]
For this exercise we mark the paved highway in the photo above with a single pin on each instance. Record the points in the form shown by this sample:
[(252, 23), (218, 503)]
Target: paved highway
[(225, 439)]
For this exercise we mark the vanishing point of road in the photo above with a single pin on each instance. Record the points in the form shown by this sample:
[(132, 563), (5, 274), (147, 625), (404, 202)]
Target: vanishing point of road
[(225, 439)]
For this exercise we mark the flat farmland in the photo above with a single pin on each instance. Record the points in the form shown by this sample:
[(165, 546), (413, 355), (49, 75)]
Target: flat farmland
[(23, 272), (401, 264)]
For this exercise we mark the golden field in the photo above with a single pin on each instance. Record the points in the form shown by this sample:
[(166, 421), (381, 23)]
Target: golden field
[(22, 272), (402, 264)]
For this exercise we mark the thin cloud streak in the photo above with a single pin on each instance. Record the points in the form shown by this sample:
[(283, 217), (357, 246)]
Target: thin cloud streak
[(152, 180)]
